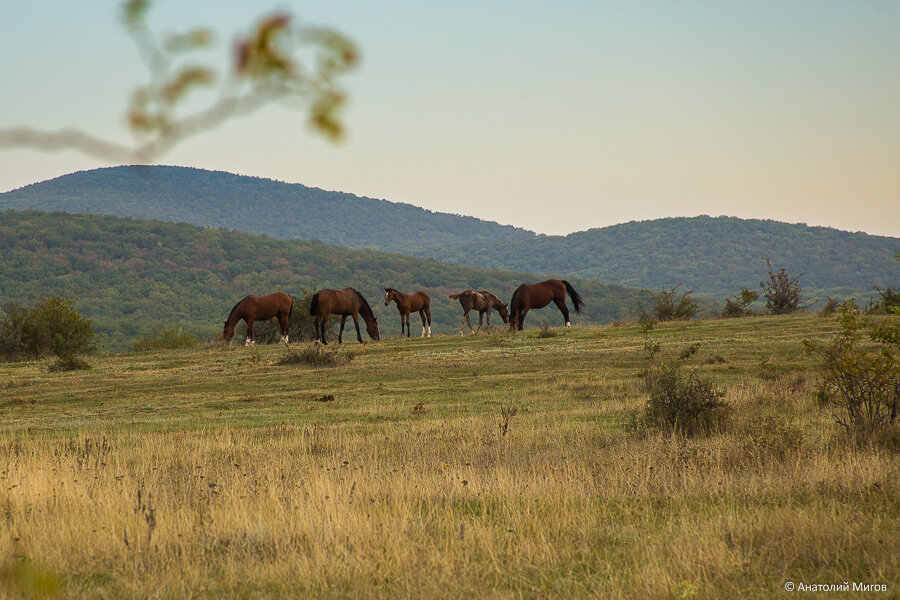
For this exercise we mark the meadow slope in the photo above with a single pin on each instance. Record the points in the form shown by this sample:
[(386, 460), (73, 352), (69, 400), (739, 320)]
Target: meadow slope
[(220, 472)]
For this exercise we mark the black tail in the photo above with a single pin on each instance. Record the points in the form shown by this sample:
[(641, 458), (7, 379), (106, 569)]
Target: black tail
[(577, 300), (314, 305)]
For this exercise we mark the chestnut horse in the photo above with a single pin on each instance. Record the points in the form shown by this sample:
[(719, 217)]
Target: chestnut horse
[(419, 302), (260, 308), (483, 301), (347, 303), (539, 295)]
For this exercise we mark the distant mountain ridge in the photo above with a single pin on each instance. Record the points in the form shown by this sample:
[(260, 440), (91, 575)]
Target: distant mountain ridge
[(254, 205), (710, 255)]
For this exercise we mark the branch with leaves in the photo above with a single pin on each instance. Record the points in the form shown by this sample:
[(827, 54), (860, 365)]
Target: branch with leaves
[(264, 69)]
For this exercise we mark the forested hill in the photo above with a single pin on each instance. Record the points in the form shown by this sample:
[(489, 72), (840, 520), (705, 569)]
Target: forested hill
[(254, 205), (710, 255), (132, 277)]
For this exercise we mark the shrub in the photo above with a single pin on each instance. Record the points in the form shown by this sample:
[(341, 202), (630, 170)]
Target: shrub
[(739, 305), (669, 305), (50, 326), (861, 383), (314, 355), (545, 330), (830, 307), (166, 339), (782, 292), (680, 400), (888, 302), (68, 363)]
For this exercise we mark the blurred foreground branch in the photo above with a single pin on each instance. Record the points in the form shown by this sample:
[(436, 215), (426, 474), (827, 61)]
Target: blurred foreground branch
[(264, 69)]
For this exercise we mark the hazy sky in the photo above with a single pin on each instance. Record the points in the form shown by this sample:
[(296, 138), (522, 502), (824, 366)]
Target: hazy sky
[(554, 116)]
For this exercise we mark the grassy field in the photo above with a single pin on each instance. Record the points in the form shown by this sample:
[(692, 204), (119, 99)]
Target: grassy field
[(211, 473)]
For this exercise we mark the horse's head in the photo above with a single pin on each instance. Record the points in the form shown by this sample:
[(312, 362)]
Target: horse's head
[(372, 330), (228, 332), (503, 309), (387, 295)]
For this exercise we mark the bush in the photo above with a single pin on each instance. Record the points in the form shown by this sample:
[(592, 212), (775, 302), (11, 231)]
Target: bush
[(782, 292), (314, 355), (679, 400), (739, 305), (545, 330), (888, 302), (50, 326), (861, 384), (830, 307), (669, 305), (166, 339)]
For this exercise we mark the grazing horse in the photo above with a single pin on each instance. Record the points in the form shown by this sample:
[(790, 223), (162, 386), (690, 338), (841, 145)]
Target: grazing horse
[(419, 302), (260, 308), (347, 303), (482, 301), (539, 295)]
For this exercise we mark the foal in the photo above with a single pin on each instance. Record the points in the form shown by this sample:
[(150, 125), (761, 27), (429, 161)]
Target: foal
[(408, 303), (483, 301)]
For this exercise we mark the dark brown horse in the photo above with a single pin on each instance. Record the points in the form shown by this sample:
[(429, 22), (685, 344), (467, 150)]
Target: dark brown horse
[(419, 302), (539, 295), (347, 303), (483, 301), (260, 308)]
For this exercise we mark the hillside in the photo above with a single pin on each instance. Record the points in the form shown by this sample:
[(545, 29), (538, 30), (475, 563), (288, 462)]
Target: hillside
[(133, 276), (254, 205), (715, 256)]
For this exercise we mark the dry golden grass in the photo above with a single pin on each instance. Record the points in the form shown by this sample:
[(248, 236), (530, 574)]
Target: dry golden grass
[(367, 497)]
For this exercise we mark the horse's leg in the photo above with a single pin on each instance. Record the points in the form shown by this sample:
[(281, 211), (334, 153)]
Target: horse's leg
[(402, 323), (469, 323), (322, 327), (249, 341), (480, 320), (561, 305), (461, 321), (428, 314), (356, 322), (522, 314), (407, 325), (489, 319), (422, 316), (285, 324), (341, 334)]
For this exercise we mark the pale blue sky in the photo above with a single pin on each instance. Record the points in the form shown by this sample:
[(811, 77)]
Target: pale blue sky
[(552, 116)]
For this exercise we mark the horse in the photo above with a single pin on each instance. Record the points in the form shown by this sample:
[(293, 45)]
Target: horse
[(347, 303), (408, 303), (539, 295), (482, 301), (260, 308)]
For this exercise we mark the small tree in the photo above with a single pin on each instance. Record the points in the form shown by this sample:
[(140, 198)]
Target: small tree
[(861, 383), (739, 305), (680, 400), (782, 292), (888, 302), (669, 305), (50, 326)]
